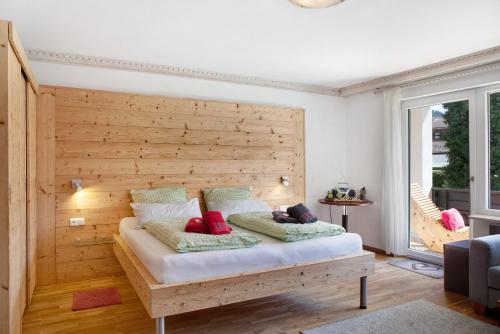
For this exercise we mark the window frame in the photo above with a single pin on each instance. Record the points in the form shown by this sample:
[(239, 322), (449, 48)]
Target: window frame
[(411, 103), (483, 151)]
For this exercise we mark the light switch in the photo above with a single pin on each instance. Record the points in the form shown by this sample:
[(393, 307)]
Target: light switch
[(76, 221)]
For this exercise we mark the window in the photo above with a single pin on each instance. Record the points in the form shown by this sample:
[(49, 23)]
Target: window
[(487, 150), (465, 168), (493, 103), (453, 165), (438, 156)]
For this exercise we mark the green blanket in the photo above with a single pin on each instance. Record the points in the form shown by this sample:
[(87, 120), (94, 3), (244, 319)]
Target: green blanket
[(172, 234), (264, 223)]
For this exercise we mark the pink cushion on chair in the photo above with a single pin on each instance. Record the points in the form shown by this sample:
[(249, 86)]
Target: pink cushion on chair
[(452, 219)]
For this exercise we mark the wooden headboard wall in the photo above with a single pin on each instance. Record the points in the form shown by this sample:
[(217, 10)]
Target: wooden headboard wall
[(116, 142)]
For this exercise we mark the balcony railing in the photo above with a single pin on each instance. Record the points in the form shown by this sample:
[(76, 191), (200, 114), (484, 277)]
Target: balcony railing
[(447, 198)]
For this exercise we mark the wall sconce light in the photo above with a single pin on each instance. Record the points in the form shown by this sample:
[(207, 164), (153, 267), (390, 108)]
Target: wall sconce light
[(284, 181), (77, 184)]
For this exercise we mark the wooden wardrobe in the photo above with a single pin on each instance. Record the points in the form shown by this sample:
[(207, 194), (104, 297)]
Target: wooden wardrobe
[(18, 90)]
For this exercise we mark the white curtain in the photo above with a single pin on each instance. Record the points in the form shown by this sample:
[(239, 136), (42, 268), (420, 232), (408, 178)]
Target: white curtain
[(394, 188)]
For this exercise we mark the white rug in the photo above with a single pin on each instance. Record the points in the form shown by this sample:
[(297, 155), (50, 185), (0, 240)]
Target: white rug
[(418, 317), (420, 267)]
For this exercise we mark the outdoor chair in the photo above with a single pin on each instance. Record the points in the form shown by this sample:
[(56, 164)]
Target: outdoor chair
[(426, 222)]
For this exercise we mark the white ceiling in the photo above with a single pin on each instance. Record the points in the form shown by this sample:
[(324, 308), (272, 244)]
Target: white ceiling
[(337, 46)]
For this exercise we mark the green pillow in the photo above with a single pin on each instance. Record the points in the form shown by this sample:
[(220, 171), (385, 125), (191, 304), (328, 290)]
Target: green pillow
[(171, 233), (227, 193), (263, 222), (159, 195)]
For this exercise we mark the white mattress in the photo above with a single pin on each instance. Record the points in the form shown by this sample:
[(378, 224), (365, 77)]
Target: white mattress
[(168, 266)]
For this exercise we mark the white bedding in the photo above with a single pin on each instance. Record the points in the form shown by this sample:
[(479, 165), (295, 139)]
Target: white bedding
[(168, 266)]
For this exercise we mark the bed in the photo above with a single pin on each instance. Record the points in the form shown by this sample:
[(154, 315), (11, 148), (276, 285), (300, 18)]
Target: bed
[(170, 283)]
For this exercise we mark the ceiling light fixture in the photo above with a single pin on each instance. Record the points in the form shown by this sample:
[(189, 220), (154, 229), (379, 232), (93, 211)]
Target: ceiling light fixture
[(316, 3)]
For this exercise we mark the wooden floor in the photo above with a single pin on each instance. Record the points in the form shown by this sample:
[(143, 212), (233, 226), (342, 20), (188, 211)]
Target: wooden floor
[(51, 312)]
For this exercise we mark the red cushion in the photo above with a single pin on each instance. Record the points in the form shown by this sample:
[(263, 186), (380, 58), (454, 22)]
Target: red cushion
[(452, 219), (216, 223), (196, 225)]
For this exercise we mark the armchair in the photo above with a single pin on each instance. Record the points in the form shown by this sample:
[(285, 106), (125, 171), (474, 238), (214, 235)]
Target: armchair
[(484, 272)]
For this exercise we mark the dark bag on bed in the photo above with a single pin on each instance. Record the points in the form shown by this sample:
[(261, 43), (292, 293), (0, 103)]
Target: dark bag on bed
[(284, 218), (302, 214)]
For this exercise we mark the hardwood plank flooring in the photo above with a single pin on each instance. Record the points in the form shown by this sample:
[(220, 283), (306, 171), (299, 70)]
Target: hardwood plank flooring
[(50, 311)]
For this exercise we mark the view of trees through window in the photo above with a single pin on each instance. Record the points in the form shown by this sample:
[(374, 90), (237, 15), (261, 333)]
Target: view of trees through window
[(494, 120), (456, 139)]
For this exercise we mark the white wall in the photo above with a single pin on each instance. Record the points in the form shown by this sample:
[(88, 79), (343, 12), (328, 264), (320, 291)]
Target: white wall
[(365, 147), (421, 147), (325, 116)]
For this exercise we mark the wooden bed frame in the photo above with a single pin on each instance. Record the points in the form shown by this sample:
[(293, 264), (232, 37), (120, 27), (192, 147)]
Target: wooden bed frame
[(161, 300)]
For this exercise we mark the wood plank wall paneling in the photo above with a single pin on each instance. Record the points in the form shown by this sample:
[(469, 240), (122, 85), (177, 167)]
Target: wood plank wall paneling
[(46, 196), (117, 142)]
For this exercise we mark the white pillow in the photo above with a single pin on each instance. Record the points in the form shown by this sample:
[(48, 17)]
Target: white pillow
[(146, 212), (229, 207)]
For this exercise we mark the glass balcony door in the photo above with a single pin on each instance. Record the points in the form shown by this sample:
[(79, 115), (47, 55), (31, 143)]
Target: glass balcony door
[(438, 170)]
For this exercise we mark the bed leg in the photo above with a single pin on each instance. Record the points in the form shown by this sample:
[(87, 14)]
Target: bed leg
[(363, 295), (160, 325)]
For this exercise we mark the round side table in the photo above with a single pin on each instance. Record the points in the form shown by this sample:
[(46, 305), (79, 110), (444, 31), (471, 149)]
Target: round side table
[(344, 205)]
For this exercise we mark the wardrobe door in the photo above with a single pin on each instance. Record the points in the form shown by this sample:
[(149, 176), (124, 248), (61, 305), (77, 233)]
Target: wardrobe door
[(15, 154), (23, 209), (4, 182), (31, 189), (16, 100)]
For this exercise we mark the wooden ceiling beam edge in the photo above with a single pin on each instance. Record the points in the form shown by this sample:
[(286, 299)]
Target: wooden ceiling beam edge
[(121, 64), (465, 62), (17, 46)]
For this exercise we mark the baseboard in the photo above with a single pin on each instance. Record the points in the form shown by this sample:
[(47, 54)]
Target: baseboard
[(376, 250)]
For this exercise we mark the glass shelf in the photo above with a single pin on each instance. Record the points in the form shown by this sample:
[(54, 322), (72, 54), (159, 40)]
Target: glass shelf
[(92, 242)]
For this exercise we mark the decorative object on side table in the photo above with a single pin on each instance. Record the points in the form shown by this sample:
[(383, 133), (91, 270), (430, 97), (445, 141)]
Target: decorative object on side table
[(362, 194), (343, 192), (343, 195)]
